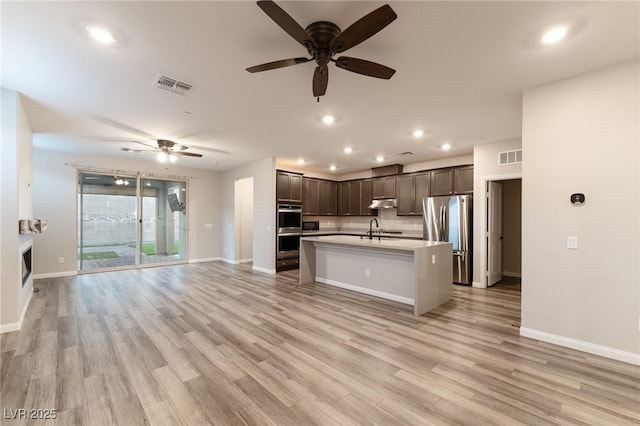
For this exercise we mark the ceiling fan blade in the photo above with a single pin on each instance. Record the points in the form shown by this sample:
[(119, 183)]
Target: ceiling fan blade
[(187, 154), (363, 67), (278, 64), (287, 23), (320, 80), (363, 28)]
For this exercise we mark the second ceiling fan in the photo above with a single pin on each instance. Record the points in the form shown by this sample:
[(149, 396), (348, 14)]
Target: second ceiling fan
[(324, 39)]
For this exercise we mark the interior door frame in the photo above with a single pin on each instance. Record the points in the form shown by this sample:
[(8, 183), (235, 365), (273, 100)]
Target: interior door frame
[(482, 199)]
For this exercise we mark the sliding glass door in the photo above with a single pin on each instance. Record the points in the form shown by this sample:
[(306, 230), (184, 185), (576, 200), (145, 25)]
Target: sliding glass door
[(107, 213), (125, 221), (163, 230)]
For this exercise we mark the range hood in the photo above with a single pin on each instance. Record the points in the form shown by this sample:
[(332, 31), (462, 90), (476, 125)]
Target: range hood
[(387, 203)]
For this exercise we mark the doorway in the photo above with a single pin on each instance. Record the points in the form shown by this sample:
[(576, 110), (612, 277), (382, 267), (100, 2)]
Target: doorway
[(502, 246), (243, 219), (125, 221)]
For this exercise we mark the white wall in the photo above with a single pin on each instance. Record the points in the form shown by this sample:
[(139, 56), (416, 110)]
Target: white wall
[(16, 203), (581, 135), (486, 167), (55, 189), (264, 196)]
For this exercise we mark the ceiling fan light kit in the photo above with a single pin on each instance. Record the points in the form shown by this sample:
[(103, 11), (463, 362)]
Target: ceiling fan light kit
[(324, 39)]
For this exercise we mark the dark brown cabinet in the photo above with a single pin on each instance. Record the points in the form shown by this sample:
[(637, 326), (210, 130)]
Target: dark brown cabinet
[(365, 196), (328, 198), (310, 196), (452, 181), (410, 190), (288, 187), (384, 187), (354, 198), (463, 180)]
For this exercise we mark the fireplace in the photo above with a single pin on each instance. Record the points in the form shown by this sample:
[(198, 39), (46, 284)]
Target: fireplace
[(26, 265)]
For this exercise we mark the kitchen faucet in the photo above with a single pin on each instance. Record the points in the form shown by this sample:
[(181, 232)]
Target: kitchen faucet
[(371, 227)]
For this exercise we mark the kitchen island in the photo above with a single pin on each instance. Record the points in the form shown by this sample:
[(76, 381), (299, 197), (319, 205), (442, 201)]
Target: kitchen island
[(414, 272)]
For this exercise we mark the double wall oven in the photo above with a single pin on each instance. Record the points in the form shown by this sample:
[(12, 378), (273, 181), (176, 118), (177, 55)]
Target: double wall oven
[(289, 226)]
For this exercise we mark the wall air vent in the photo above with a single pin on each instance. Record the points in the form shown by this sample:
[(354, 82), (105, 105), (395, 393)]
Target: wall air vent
[(510, 157), (171, 85)]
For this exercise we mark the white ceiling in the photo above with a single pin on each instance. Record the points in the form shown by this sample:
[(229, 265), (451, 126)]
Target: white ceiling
[(461, 69)]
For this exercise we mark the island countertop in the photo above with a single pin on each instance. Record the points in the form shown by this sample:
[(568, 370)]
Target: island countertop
[(414, 272), (374, 243)]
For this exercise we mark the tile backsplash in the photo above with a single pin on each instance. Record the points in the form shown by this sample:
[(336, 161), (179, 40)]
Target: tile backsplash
[(387, 219)]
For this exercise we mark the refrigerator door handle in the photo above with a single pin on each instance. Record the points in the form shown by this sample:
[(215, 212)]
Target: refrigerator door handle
[(445, 236)]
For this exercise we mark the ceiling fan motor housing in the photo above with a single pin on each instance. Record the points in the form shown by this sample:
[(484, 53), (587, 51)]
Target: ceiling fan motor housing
[(323, 33)]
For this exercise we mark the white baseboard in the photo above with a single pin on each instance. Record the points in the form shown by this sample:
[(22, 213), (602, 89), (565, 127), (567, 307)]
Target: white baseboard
[(231, 261), (265, 270), (55, 274), (15, 326), (477, 284), (370, 292), (206, 259), (592, 348), (512, 274), (246, 260)]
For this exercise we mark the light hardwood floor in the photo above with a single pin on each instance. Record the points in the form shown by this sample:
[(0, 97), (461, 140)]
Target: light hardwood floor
[(219, 344)]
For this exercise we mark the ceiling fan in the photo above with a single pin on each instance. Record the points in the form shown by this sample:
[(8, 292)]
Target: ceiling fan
[(166, 149), (324, 39)]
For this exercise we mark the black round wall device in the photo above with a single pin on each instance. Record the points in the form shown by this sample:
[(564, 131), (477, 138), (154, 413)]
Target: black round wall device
[(577, 199)]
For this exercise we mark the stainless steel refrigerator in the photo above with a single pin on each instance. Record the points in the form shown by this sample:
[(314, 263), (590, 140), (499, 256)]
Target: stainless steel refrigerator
[(450, 219)]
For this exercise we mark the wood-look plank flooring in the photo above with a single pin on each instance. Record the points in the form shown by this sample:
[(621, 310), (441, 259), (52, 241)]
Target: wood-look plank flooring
[(219, 344)]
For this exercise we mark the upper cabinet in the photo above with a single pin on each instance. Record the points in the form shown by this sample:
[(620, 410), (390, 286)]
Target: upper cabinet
[(288, 187), (410, 190), (328, 198), (310, 196), (354, 198), (452, 181), (384, 187)]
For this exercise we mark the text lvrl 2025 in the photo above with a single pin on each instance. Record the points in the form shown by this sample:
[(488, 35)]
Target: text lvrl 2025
[(25, 414)]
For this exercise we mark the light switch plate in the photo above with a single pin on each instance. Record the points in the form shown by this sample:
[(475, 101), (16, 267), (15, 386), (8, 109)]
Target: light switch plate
[(572, 242)]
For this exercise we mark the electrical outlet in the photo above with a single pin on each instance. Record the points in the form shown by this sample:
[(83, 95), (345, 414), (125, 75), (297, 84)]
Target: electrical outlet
[(61, 259), (367, 272), (572, 242)]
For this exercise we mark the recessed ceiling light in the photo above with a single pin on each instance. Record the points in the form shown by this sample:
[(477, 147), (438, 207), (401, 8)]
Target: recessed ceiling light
[(328, 119), (348, 150), (446, 147), (300, 160), (101, 35), (418, 133), (379, 158), (332, 168), (554, 35)]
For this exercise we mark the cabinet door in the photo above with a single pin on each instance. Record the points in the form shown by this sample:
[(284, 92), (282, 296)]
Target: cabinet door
[(324, 195), (310, 196), (343, 198), (333, 198), (282, 186), (295, 189), (421, 186), (404, 195), (463, 180), (354, 198), (366, 194), (441, 182), (384, 187)]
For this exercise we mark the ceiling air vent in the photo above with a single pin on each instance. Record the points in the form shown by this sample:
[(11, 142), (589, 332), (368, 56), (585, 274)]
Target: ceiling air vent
[(510, 157), (171, 85), (402, 154)]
